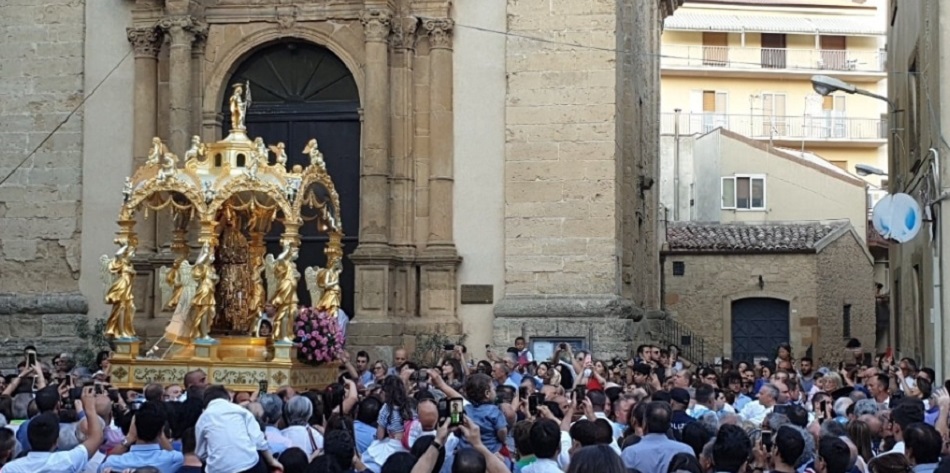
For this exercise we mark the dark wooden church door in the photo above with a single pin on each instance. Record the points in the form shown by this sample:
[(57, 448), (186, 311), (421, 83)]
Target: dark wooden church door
[(302, 91)]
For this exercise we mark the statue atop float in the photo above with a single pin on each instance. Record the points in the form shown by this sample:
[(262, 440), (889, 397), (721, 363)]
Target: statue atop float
[(234, 195)]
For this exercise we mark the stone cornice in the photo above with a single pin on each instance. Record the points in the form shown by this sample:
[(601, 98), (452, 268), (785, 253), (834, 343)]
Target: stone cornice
[(404, 32), (146, 42), (440, 32)]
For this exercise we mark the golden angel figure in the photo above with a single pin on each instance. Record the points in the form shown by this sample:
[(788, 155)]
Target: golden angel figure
[(279, 154), (285, 295), (118, 273), (203, 305), (196, 152), (316, 157), (324, 287), (257, 297), (238, 105), (169, 161), (174, 280), (155, 154)]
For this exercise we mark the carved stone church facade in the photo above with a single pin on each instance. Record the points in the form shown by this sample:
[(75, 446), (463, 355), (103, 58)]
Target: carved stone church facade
[(505, 145)]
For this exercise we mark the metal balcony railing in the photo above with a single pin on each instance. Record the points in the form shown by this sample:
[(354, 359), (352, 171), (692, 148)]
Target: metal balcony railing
[(686, 56), (821, 127), (671, 332)]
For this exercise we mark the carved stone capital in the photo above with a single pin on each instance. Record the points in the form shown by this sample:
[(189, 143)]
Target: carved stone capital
[(184, 29), (440, 32), (404, 32), (376, 25), (147, 42)]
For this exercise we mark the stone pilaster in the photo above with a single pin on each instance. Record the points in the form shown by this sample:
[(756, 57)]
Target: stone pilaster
[(146, 44), (372, 259), (197, 76), (439, 261), (403, 275)]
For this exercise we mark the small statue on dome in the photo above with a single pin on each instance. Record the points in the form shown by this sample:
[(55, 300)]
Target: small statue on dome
[(280, 154), (316, 157), (168, 170), (238, 103), (127, 190), (155, 154), (196, 151)]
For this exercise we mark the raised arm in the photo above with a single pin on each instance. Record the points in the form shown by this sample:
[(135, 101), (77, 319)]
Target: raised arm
[(94, 428)]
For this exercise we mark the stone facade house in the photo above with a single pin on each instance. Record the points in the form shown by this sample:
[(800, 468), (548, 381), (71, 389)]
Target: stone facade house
[(510, 147), (743, 288)]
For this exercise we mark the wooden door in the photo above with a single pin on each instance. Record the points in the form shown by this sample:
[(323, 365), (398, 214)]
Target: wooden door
[(773, 51), (833, 52)]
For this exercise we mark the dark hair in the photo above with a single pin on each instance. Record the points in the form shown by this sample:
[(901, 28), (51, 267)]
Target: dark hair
[(154, 392), (339, 444), (215, 392), (7, 445), (333, 396), (696, 436), (47, 400), (908, 411), (596, 459), (853, 343), (555, 409), (520, 338), (598, 400), (521, 432), (326, 464), (584, 432), (316, 400), (476, 388), (797, 415), (43, 432), (790, 444), (657, 417), (101, 356), (400, 462), (189, 443), (924, 442), (467, 460), (926, 388), (149, 421), (604, 431), (419, 448), (705, 394), (835, 453), (731, 449), (545, 438), (368, 410), (363, 354), (685, 462)]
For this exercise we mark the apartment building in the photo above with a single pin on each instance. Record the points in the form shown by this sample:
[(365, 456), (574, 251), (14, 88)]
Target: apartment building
[(746, 65)]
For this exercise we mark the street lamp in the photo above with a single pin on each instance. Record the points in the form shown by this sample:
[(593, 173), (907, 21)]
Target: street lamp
[(868, 170), (825, 85)]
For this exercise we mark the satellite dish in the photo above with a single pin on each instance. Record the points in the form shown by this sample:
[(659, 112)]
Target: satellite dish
[(897, 217)]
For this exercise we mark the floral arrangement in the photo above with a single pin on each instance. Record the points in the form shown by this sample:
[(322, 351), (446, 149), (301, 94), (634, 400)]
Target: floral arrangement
[(318, 336)]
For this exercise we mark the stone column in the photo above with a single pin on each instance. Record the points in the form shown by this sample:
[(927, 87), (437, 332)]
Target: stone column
[(403, 181), (374, 184), (200, 31), (439, 261), (146, 42), (441, 130)]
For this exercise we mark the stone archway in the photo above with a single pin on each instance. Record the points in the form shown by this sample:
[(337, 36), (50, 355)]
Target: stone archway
[(302, 90)]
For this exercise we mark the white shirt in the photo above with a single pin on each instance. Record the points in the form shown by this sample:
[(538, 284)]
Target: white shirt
[(755, 412), (542, 465), (228, 438), (300, 436), (69, 461)]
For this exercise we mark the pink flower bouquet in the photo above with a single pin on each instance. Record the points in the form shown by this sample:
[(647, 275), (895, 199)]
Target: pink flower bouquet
[(317, 337)]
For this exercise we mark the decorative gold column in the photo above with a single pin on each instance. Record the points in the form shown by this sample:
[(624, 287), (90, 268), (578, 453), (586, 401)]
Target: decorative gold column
[(440, 240), (146, 42), (374, 183)]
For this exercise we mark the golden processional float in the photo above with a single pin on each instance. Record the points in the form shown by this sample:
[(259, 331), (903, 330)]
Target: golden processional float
[(231, 192)]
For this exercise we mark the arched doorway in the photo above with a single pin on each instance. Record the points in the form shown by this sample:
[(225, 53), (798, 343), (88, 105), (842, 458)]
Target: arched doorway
[(301, 91), (759, 325)]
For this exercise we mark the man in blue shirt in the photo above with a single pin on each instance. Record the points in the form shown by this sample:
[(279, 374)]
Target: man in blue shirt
[(47, 400), (146, 444), (365, 424), (654, 451)]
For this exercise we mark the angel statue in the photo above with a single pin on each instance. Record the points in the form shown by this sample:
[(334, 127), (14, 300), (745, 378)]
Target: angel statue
[(316, 157), (284, 298), (169, 161), (155, 154), (251, 170), (280, 154), (174, 280), (117, 273), (196, 152), (209, 191), (127, 190), (203, 305)]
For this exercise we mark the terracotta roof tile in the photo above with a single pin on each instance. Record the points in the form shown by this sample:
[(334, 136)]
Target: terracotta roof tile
[(748, 238)]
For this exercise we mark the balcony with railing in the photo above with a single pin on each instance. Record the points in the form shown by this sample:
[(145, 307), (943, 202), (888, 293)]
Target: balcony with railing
[(729, 60), (827, 130)]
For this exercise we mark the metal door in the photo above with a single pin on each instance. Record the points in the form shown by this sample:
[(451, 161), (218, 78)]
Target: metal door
[(759, 325)]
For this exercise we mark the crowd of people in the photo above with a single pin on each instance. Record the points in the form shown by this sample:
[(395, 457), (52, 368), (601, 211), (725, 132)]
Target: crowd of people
[(654, 412)]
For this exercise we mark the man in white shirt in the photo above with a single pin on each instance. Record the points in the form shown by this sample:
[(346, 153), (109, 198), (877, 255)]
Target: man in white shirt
[(546, 439), (43, 433), (756, 411), (229, 439)]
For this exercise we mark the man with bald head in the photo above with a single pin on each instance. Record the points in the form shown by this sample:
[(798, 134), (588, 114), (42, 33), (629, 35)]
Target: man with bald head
[(427, 422), (196, 379), (400, 357)]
